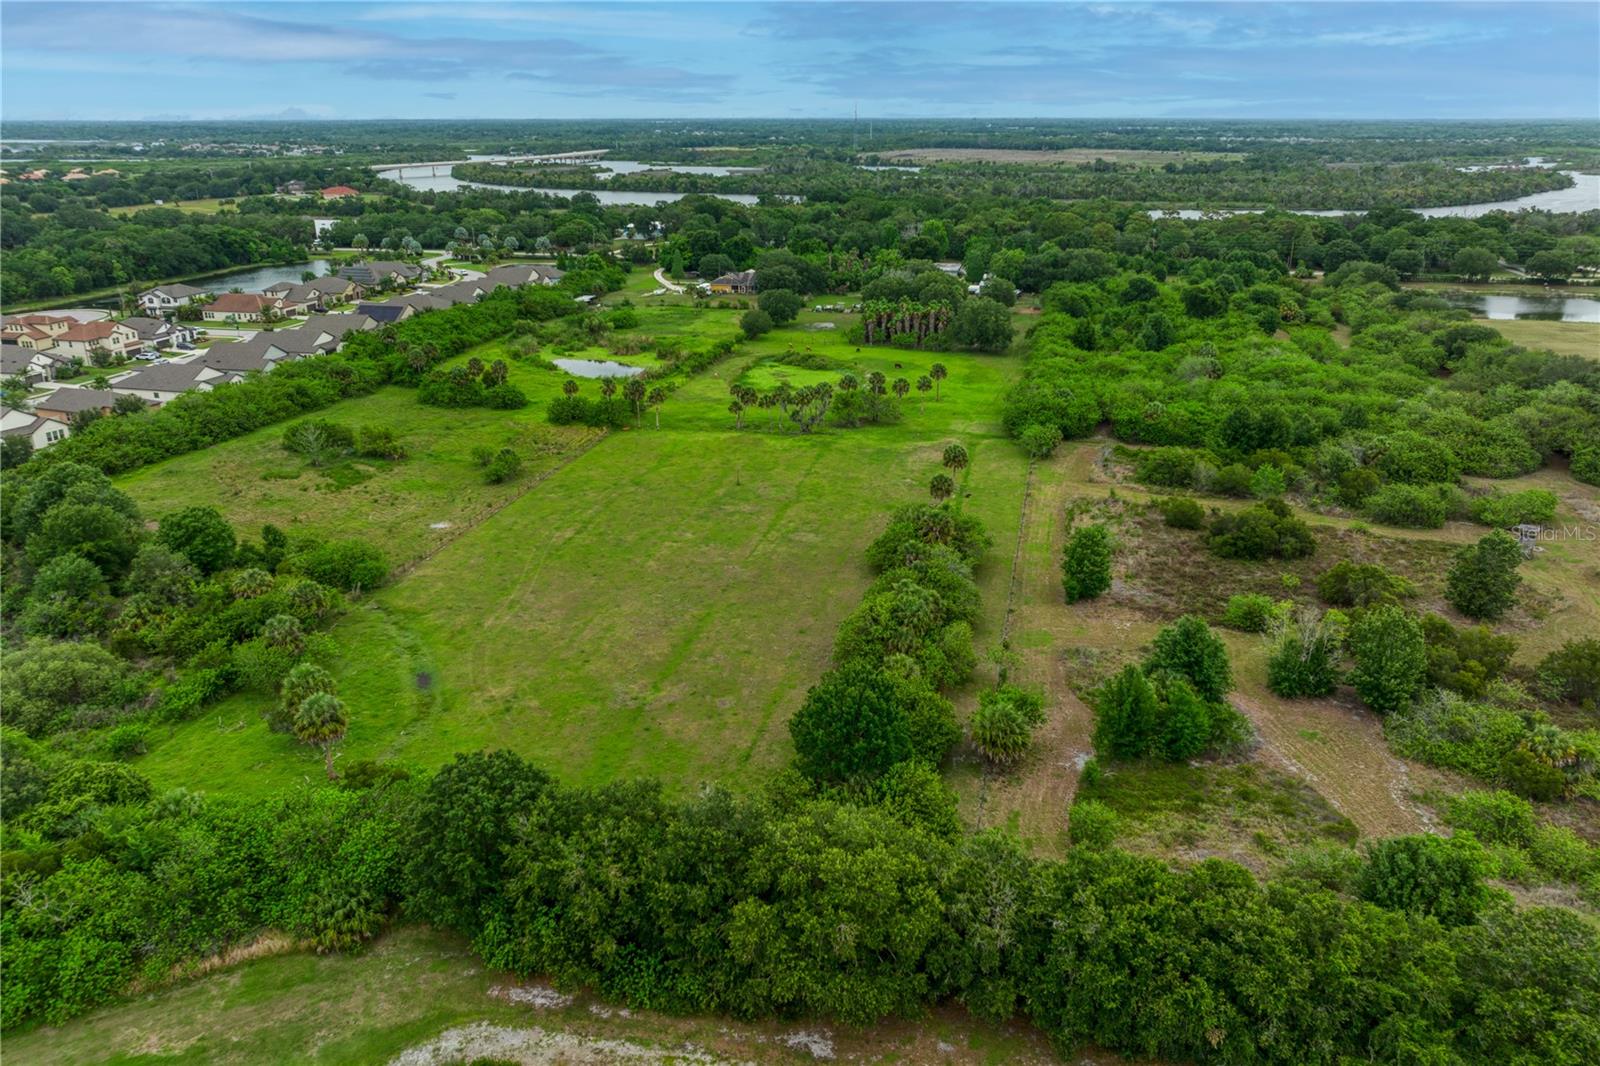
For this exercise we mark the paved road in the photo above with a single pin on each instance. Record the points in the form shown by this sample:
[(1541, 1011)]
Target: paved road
[(662, 278)]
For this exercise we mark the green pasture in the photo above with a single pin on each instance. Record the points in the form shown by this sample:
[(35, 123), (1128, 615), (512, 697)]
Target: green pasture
[(657, 607)]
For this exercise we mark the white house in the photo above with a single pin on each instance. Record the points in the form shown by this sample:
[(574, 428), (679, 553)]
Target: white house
[(164, 298), (40, 432)]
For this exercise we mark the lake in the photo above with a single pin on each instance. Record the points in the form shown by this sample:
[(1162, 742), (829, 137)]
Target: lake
[(425, 180), (1544, 308), (597, 368)]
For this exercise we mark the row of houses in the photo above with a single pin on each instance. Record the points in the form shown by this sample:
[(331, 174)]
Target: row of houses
[(226, 363)]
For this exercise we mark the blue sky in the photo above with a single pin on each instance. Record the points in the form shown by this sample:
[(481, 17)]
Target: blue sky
[(452, 59)]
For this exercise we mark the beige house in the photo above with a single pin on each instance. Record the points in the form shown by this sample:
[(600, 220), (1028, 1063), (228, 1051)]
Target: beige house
[(40, 432), (86, 337), (241, 307)]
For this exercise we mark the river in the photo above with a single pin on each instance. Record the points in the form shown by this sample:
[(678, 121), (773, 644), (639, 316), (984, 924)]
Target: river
[(424, 179), (1583, 195)]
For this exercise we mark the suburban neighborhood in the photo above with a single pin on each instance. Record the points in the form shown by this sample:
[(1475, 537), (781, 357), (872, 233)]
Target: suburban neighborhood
[(62, 367)]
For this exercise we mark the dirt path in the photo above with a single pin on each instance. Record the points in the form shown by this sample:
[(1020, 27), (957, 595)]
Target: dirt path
[(1339, 750)]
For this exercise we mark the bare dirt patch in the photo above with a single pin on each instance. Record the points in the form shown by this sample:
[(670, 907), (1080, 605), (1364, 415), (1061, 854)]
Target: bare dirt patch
[(536, 1047)]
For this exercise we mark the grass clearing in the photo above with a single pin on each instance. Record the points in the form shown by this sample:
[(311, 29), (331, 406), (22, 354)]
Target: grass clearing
[(657, 607), (415, 983), (1566, 338)]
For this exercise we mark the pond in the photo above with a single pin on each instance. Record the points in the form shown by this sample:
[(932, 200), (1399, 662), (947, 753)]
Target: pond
[(246, 279), (1544, 308), (597, 368)]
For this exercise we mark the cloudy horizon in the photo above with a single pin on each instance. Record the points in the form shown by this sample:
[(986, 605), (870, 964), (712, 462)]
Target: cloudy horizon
[(235, 61)]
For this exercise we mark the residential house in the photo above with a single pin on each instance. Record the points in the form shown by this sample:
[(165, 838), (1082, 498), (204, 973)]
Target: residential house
[(166, 381), (85, 338), (740, 281), (519, 274), (337, 326), (165, 298), (380, 272), (338, 290), (305, 295), (338, 192), (242, 357), (30, 364), (40, 330), (386, 313), (241, 307), (40, 432), (67, 401), (292, 188), (460, 292), (287, 344), (420, 301), (157, 333)]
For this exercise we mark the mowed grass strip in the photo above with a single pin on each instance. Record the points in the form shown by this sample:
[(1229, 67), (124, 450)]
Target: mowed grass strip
[(657, 607)]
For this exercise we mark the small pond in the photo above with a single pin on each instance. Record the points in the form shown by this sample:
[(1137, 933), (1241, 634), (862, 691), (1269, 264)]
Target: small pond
[(597, 368), (1545, 308)]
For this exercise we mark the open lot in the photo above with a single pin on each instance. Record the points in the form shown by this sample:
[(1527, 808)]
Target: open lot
[(657, 607), (1568, 338)]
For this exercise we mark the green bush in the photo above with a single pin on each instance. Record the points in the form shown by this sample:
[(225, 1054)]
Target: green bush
[(1003, 724), (1493, 817), (1349, 584), (1249, 612), (1483, 580), (1092, 824), (348, 565), (1391, 658), (1183, 512), (1188, 649), (1533, 506), (1427, 875), (1526, 774), (1572, 671), (1039, 441), (1410, 506), (505, 466), (1086, 563), (1267, 530)]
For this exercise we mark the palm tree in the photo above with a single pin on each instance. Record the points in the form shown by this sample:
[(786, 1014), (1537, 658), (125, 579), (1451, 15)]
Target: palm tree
[(608, 387), (736, 409), (570, 386), (284, 631), (924, 384), (320, 721), (657, 397), (901, 387), (634, 390), (955, 457), (877, 382), (941, 488), (938, 373)]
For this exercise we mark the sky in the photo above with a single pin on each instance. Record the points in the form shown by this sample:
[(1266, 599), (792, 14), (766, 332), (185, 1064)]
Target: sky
[(455, 59)]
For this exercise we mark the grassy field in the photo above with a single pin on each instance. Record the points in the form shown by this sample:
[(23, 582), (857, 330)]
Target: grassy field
[(414, 985), (1567, 338), (657, 607)]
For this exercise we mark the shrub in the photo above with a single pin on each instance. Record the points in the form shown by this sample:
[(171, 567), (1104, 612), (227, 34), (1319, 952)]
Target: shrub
[(1003, 724), (1092, 824), (1465, 660), (45, 687), (1586, 464), (505, 465), (918, 797), (755, 322), (1126, 715), (1482, 582), (504, 397), (1348, 584), (1493, 817), (1040, 441), (379, 442), (1532, 506), (1232, 480), (1526, 774), (1413, 458), (1172, 468), (1183, 512), (1410, 506), (1391, 658), (349, 565), (1303, 662), (1572, 671), (1357, 486), (1427, 875), (913, 530), (1189, 649), (1445, 729), (1267, 530), (1249, 612), (1268, 482), (318, 440), (1086, 563)]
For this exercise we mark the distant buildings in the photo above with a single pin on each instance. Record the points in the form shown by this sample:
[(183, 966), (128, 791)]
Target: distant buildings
[(740, 281)]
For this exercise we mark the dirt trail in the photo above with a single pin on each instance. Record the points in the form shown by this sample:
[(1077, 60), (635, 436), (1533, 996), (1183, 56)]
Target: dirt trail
[(1340, 751)]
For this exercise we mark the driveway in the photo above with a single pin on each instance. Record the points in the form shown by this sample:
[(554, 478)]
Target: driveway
[(666, 284)]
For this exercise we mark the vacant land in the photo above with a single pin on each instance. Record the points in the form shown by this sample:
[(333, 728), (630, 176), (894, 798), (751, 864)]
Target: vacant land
[(1071, 156), (1568, 338), (658, 607)]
